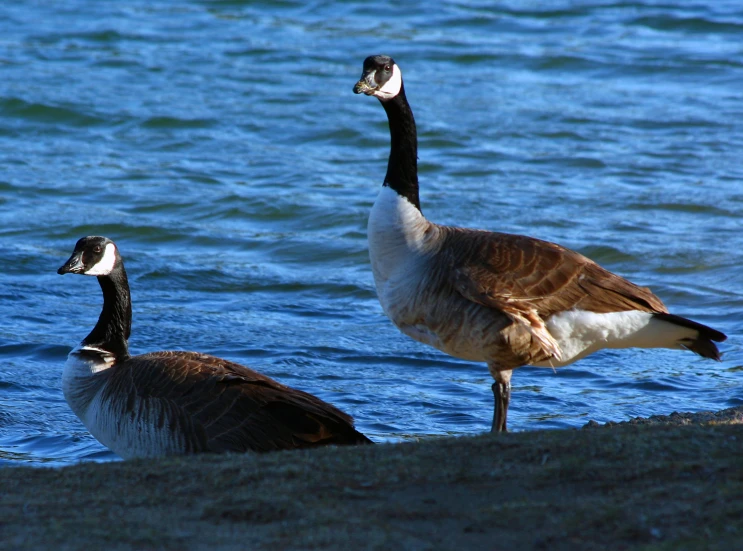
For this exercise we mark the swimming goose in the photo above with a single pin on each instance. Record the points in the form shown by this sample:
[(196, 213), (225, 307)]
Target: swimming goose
[(508, 300), (167, 403)]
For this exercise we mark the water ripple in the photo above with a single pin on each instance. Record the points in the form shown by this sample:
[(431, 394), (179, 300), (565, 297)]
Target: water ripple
[(220, 145)]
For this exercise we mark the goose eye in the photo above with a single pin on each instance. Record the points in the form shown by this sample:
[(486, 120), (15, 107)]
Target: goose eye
[(388, 68), (97, 249)]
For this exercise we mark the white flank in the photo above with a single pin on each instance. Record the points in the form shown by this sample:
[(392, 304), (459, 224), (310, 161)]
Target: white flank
[(105, 264), (392, 87), (580, 333), (135, 434)]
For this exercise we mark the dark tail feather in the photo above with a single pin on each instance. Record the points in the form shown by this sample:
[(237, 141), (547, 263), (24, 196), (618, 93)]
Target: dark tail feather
[(353, 439), (704, 331), (703, 344), (342, 436), (324, 426)]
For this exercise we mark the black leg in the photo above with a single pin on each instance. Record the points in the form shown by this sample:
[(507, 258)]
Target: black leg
[(502, 396)]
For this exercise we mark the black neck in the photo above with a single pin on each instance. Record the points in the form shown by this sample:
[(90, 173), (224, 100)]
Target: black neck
[(402, 168), (115, 322)]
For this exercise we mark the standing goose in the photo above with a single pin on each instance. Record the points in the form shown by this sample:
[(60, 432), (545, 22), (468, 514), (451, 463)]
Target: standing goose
[(168, 403), (508, 300)]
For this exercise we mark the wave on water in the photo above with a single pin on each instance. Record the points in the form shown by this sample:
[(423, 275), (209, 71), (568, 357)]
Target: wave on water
[(220, 145)]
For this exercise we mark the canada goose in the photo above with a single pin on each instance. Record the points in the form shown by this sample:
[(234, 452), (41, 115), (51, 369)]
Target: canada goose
[(167, 403), (508, 300)]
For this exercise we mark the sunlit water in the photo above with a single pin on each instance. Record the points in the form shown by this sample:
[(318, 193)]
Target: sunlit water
[(220, 145)]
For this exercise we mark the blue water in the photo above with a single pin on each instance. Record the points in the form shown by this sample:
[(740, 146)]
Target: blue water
[(220, 145)]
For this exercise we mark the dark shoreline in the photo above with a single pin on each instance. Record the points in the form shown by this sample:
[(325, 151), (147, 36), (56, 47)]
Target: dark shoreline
[(672, 482)]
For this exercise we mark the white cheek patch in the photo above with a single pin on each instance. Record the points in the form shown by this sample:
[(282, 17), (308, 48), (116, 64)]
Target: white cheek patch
[(392, 87), (106, 264)]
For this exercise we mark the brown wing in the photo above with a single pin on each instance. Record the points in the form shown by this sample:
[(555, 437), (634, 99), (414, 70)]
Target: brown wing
[(530, 280), (224, 406)]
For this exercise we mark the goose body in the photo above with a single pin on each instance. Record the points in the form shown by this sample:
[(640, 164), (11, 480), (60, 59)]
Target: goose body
[(508, 300), (176, 402)]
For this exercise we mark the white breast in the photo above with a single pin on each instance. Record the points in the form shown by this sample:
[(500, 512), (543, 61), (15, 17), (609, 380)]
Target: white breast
[(84, 381), (397, 236), (78, 382), (402, 245), (83, 378)]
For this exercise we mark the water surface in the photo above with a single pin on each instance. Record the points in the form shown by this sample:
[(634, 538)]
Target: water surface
[(220, 145)]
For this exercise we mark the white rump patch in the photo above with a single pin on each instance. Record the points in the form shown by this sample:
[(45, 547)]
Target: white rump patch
[(106, 264), (392, 87), (580, 333)]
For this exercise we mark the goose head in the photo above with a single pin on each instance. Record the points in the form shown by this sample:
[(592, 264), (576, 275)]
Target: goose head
[(381, 78), (94, 256)]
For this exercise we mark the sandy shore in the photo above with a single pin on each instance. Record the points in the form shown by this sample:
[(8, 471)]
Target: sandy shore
[(666, 483)]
